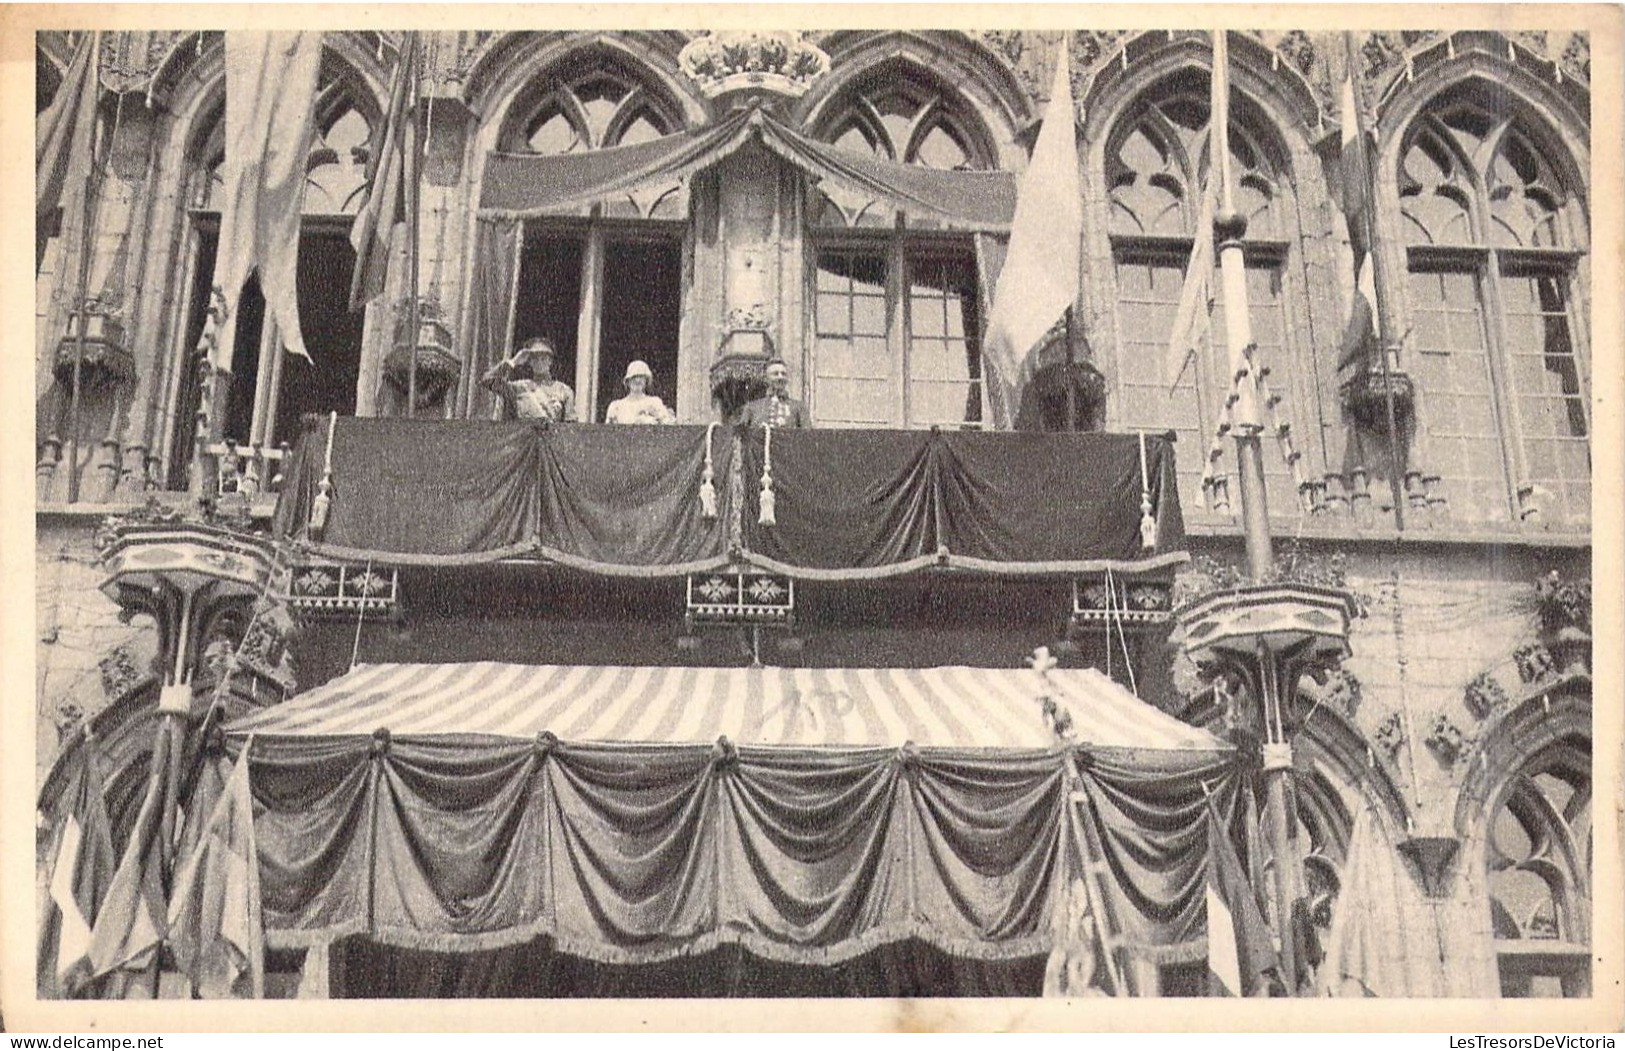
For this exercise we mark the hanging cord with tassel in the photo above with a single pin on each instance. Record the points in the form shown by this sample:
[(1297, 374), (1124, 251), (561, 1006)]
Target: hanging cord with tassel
[(324, 492), (767, 516), (1148, 521), (708, 487)]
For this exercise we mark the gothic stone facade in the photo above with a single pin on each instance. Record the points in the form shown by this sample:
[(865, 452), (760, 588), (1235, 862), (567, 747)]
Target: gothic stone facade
[(1465, 710)]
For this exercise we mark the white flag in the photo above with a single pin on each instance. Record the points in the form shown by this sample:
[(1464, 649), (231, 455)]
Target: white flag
[(1039, 280), (270, 95)]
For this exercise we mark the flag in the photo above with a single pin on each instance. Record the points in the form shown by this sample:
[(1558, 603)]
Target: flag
[(1353, 192), (387, 172), (1039, 279), (82, 866), (1194, 316), (130, 926), (66, 130), (1240, 952), (214, 913), (270, 94)]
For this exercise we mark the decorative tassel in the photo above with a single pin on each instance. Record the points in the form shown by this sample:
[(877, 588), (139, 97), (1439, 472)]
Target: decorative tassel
[(324, 492), (708, 488), (767, 516), (1148, 521)]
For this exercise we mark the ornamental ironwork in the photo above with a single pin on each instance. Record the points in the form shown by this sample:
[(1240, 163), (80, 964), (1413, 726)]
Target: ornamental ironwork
[(336, 589), (739, 598)]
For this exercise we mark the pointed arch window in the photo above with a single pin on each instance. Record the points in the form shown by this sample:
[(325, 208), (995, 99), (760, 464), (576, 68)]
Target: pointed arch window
[(1538, 859), (896, 326), (271, 391), (1495, 342), (603, 283), (1156, 157)]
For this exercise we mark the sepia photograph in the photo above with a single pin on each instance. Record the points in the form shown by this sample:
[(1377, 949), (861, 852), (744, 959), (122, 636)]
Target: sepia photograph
[(618, 512)]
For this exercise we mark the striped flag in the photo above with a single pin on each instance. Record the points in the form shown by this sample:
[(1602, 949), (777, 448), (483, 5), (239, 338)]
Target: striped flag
[(387, 172), (1241, 954), (1039, 280), (270, 95), (214, 913), (81, 870), (1353, 193)]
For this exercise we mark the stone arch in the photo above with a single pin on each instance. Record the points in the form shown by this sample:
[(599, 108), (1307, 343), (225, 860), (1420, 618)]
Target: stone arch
[(1335, 748), (1511, 822), (1477, 75), (1557, 118), (1267, 94), (965, 70), (504, 71), (942, 106)]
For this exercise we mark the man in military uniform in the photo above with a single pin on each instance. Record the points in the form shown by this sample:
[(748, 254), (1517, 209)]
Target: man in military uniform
[(777, 409), (525, 381)]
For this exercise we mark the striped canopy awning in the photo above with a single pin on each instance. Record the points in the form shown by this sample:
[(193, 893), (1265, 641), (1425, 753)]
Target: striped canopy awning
[(840, 707)]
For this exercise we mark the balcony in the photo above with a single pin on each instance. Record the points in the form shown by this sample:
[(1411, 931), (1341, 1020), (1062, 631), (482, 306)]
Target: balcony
[(821, 505)]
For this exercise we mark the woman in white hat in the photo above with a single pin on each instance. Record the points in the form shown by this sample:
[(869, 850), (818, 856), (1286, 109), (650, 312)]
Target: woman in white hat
[(639, 406)]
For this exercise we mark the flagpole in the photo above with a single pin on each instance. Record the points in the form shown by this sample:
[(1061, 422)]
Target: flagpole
[(1071, 308), (414, 233), (1246, 427), (1229, 230), (82, 289), (1382, 282)]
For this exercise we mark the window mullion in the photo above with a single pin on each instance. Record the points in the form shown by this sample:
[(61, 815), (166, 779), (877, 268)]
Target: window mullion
[(182, 364), (588, 322), (1503, 396)]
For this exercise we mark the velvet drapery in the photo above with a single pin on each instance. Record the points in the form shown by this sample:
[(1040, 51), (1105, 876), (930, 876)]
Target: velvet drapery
[(633, 854), (849, 503)]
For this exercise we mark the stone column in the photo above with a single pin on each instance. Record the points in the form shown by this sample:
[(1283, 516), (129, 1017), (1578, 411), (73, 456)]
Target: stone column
[(759, 70)]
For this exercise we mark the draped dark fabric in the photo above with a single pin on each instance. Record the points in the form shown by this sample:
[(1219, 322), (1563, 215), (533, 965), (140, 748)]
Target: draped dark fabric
[(491, 296), (849, 503), (632, 854), (629, 497), (626, 853), (400, 486), (1147, 824), (537, 969), (529, 185)]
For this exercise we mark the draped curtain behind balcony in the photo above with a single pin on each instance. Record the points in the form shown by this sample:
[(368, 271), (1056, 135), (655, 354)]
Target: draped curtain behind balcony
[(491, 297), (627, 500)]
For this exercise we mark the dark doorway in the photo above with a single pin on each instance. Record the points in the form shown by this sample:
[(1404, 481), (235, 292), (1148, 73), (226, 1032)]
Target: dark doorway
[(548, 302), (332, 336), (326, 383), (642, 311), (245, 364)]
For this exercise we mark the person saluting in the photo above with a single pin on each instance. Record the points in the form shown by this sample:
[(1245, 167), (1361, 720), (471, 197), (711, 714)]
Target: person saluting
[(525, 382)]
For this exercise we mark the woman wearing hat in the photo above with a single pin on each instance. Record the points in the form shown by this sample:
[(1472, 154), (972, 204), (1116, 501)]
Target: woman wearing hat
[(525, 381), (639, 406)]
